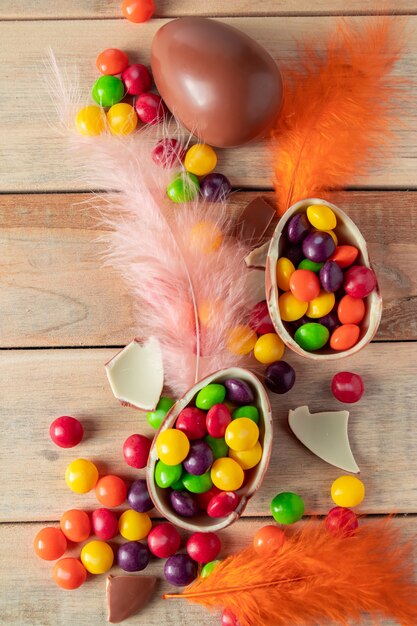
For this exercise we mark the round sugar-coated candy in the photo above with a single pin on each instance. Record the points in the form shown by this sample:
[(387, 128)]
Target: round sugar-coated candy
[(136, 450), (304, 285), (359, 281), (347, 387), (75, 525), (164, 540), (330, 321), (347, 491), (332, 235), (287, 508), (136, 79), (279, 377), (180, 570), (306, 264), (203, 547), (351, 310), (97, 557), (247, 458), (218, 446), (248, 411), (66, 431), (69, 573), (227, 475), (183, 503), (205, 237), (208, 568), (197, 484), (167, 475), (178, 485), (241, 434), (81, 476), (222, 504), (150, 108), (172, 446), (183, 188), (320, 306), (341, 522), (138, 11), (105, 524), (122, 119), (259, 319), (200, 159), (269, 348), (345, 337), (168, 153), (215, 187), (344, 255), (138, 496), (208, 396), (203, 499), (241, 340), (311, 336), (294, 254), (90, 121), (133, 556), (298, 228), (291, 309), (238, 391), (192, 422), (321, 217), (331, 276), (199, 459), (318, 246), (268, 539), (229, 618), (285, 269), (111, 491), (217, 420), (108, 90), (155, 418), (112, 61), (134, 526), (50, 543)]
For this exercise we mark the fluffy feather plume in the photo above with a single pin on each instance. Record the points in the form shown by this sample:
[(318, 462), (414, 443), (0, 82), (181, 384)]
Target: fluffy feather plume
[(316, 577), (339, 109)]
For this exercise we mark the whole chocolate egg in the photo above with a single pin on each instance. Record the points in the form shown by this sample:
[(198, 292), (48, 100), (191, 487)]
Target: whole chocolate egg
[(221, 84)]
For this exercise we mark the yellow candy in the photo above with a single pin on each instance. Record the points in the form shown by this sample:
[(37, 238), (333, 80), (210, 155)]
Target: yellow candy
[(134, 526), (247, 458), (290, 308), (241, 434), (122, 119), (329, 232), (90, 121), (200, 159), (268, 348), (209, 312), (97, 557), (284, 270), (321, 305), (226, 474), (172, 446), (81, 476), (321, 217), (242, 340), (205, 237), (347, 491)]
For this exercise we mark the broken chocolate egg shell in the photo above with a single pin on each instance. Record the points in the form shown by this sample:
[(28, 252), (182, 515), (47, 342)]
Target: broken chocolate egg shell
[(254, 477), (348, 234)]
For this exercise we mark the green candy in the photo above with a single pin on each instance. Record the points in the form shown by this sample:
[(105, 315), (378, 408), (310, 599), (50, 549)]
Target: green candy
[(167, 475), (246, 411), (287, 508), (197, 484), (183, 188), (208, 568), (306, 264), (210, 395), (108, 90), (155, 418), (178, 485), (218, 446), (311, 336)]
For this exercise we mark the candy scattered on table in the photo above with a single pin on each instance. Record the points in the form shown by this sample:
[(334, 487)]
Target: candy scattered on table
[(280, 377), (268, 539), (215, 187), (108, 90), (208, 568), (347, 387), (138, 11), (341, 521), (90, 121), (97, 557), (81, 475), (136, 79), (133, 556), (136, 450), (134, 526), (105, 524), (112, 61), (69, 573), (287, 508), (111, 491), (203, 547), (66, 431), (168, 153), (200, 159), (347, 491), (150, 108), (138, 496), (121, 119), (180, 570), (164, 540), (183, 188), (229, 618), (50, 543), (75, 525)]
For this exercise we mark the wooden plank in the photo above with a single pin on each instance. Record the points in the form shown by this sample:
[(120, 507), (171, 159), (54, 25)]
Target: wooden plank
[(37, 385), (28, 596), (55, 291), (33, 150)]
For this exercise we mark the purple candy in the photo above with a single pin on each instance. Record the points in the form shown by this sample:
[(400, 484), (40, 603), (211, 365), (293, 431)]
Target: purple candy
[(297, 323), (294, 254), (279, 377), (215, 187), (318, 246), (180, 570), (133, 556), (199, 458), (183, 503), (138, 497), (238, 391), (330, 321), (331, 276), (298, 228)]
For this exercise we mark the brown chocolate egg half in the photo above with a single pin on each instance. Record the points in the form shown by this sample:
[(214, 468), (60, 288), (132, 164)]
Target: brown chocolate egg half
[(220, 84)]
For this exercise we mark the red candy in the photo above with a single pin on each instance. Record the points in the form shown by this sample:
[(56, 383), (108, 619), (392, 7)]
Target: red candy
[(203, 499), (347, 387), (222, 504), (341, 522), (217, 420), (203, 547), (136, 450), (136, 79), (229, 618), (168, 153), (150, 108), (164, 540), (112, 61), (105, 524), (111, 491), (192, 422), (259, 319), (359, 281), (344, 255), (66, 431)]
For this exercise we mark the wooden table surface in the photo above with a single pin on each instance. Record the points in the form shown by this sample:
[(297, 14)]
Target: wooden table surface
[(62, 315)]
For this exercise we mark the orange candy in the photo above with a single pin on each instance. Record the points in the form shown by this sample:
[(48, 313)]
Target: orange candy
[(268, 539), (112, 61), (138, 10), (50, 543), (69, 573), (344, 337), (111, 491), (344, 255), (304, 285), (351, 310), (75, 525)]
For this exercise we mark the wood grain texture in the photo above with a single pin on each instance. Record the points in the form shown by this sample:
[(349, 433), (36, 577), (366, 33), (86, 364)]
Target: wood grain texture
[(33, 151), (37, 385)]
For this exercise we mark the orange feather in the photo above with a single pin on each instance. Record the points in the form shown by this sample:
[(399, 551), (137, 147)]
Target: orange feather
[(339, 110), (316, 577)]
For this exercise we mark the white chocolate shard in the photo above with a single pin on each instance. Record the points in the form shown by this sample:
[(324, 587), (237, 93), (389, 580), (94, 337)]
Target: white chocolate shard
[(136, 374), (325, 434), (257, 257)]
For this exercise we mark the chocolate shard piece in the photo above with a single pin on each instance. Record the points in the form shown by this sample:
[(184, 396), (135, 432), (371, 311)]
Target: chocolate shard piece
[(127, 595), (257, 257), (255, 219)]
